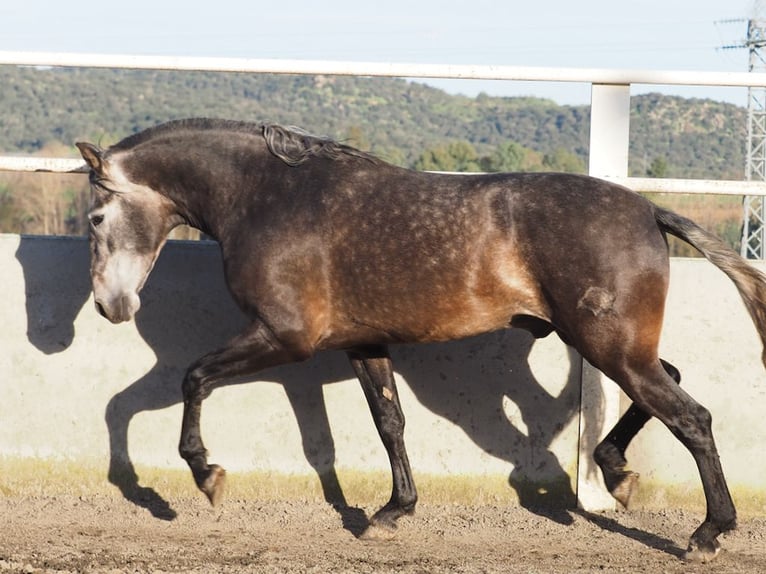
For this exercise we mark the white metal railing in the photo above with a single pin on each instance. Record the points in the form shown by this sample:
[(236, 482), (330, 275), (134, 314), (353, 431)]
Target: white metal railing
[(401, 70), (54, 164)]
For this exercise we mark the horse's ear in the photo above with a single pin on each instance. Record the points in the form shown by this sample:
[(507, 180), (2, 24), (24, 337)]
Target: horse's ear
[(93, 156)]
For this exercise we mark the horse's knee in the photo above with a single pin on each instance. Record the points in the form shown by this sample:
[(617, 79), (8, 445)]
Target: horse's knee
[(390, 423), (392, 415), (193, 388), (189, 386)]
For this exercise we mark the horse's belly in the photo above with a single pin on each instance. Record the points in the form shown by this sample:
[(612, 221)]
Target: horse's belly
[(422, 322), (464, 322), (439, 300)]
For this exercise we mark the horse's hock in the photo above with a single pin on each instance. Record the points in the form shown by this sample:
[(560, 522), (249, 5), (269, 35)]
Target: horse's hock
[(489, 418)]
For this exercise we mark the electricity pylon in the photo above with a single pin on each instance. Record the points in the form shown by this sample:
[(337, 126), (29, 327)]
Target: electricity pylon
[(754, 228)]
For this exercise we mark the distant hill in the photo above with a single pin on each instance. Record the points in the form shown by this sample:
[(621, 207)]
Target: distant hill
[(396, 119)]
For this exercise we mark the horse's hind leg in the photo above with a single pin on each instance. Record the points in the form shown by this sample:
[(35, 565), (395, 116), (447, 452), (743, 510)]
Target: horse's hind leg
[(373, 367), (610, 453), (656, 394)]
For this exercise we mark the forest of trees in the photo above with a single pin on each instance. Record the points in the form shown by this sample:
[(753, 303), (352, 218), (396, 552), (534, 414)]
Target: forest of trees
[(44, 111)]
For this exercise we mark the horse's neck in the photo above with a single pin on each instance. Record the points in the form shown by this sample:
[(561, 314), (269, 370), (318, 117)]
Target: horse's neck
[(210, 201)]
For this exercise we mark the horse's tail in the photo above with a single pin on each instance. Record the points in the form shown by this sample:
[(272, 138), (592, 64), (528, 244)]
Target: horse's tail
[(750, 282)]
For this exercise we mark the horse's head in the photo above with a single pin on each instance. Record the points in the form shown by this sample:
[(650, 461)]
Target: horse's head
[(129, 224)]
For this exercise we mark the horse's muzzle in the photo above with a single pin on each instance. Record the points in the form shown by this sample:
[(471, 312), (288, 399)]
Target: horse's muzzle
[(101, 310), (119, 310)]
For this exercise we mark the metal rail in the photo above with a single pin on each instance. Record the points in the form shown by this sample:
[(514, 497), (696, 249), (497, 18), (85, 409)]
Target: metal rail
[(385, 69), (641, 184)]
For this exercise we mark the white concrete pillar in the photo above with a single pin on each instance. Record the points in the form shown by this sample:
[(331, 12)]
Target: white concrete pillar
[(600, 399), (609, 130)]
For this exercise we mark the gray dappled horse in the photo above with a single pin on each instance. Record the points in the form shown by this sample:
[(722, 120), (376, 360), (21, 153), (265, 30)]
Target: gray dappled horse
[(326, 247)]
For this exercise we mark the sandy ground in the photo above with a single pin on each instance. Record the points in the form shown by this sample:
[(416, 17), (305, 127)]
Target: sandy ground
[(103, 534)]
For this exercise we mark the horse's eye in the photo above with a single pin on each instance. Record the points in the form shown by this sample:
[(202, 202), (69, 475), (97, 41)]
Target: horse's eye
[(96, 220)]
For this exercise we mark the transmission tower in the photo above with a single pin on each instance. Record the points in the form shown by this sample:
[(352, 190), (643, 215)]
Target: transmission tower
[(754, 228)]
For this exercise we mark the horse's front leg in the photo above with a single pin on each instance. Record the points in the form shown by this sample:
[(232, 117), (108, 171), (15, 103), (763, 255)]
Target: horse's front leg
[(373, 368), (246, 354)]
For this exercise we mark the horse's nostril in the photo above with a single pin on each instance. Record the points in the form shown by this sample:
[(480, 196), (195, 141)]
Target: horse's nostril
[(100, 309)]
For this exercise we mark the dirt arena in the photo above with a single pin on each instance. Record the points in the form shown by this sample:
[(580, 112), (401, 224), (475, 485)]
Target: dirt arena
[(107, 534)]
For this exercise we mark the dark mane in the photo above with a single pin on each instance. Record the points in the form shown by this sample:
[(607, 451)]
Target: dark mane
[(292, 145)]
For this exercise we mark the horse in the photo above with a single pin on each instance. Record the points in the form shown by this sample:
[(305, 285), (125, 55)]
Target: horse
[(328, 247)]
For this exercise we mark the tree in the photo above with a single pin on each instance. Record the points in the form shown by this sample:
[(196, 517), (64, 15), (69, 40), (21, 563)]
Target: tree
[(356, 137), (658, 168), (455, 156), (564, 161), (508, 156), (9, 211)]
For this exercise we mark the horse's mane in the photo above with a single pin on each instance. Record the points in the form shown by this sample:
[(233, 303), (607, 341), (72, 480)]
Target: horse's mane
[(292, 145)]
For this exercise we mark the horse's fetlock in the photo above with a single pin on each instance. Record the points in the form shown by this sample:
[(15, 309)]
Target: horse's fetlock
[(405, 501), (606, 454), (191, 452), (727, 524)]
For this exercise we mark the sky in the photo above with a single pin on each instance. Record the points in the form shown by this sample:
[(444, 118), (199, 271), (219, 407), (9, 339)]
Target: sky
[(640, 34)]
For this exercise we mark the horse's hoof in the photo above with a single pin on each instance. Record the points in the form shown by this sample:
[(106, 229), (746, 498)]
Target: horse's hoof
[(213, 487), (702, 554), (377, 533), (623, 492)]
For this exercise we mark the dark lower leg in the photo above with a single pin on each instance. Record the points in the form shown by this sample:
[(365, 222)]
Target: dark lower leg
[(246, 354), (208, 478), (721, 515), (373, 367), (610, 453), (691, 424)]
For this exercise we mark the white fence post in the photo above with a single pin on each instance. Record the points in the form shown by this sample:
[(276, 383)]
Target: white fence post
[(600, 398)]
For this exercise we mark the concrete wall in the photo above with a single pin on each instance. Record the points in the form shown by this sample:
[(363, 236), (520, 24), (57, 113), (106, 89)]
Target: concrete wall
[(502, 408)]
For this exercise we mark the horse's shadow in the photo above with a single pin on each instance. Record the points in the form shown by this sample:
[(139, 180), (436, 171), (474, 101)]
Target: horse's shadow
[(470, 394), (468, 381), (48, 263)]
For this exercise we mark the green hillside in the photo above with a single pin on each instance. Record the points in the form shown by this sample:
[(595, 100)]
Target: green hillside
[(396, 119)]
